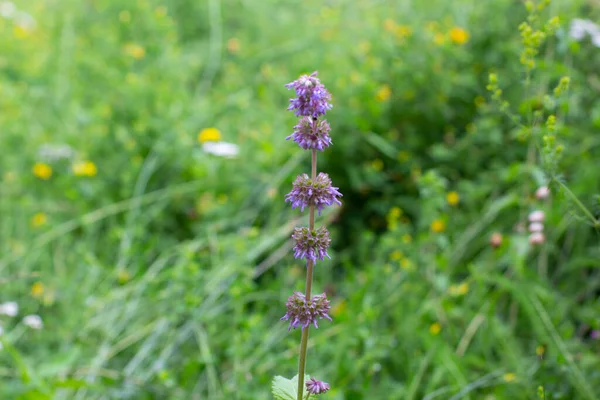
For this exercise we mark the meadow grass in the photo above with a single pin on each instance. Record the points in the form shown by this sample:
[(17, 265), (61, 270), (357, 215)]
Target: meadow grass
[(160, 271)]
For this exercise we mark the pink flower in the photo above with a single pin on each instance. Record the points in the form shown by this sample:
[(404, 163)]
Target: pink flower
[(537, 216), (496, 240), (536, 227), (542, 193), (536, 238)]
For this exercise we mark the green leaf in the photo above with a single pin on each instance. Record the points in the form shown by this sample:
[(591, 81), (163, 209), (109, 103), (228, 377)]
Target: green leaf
[(287, 389)]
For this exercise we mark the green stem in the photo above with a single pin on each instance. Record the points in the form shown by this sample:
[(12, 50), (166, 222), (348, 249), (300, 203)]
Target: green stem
[(583, 208), (309, 278)]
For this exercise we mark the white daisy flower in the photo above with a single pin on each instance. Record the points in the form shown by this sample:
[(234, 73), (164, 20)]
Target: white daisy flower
[(10, 308), (7, 9), (221, 149), (33, 321)]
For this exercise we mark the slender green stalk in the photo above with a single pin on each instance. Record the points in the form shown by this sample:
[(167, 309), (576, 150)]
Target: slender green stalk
[(579, 204), (309, 278)]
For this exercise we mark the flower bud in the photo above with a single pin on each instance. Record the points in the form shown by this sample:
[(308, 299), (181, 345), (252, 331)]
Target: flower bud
[(542, 193), (496, 240), (537, 216), (536, 238), (316, 387)]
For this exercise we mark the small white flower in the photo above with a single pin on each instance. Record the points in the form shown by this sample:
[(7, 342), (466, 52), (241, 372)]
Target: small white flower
[(10, 308), (537, 216), (536, 227), (25, 20), (33, 321), (580, 28), (7, 9), (537, 238), (542, 193), (53, 152), (221, 149), (596, 39)]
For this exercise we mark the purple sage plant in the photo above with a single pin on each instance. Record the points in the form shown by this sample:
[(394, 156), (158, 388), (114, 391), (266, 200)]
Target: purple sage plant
[(314, 192)]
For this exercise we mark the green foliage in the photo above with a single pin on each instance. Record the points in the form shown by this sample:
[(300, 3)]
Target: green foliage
[(161, 271), (287, 389)]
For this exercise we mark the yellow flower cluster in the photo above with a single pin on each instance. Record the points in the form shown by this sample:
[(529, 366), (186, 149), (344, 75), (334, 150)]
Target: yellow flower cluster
[(383, 93), (134, 50), (39, 219), (459, 290), (453, 198), (42, 171), (37, 290), (438, 226), (209, 135), (85, 168), (456, 35)]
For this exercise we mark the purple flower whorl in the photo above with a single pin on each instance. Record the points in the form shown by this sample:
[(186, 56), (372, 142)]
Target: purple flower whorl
[(313, 98), (302, 313), (319, 192), (311, 134), (311, 245)]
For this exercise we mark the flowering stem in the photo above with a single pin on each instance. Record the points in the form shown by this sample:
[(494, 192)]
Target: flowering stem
[(309, 278)]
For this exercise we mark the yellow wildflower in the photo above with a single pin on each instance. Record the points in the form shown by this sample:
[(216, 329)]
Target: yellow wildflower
[(458, 35), (438, 226), (377, 164), (42, 171), (135, 50), (383, 93), (403, 31), (453, 198), (406, 264), (21, 32), (39, 219), (406, 238), (435, 328), (540, 350), (459, 290), (123, 277), (85, 168), (439, 38), (37, 290), (233, 45), (396, 255), (395, 212), (509, 377), (209, 135)]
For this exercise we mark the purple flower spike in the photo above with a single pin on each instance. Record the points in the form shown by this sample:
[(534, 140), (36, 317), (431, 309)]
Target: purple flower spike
[(311, 134), (316, 387), (319, 192), (313, 99), (311, 245), (302, 313)]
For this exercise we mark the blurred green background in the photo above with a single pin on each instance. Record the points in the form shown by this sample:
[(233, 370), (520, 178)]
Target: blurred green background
[(143, 173)]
